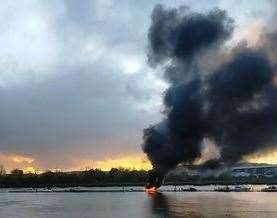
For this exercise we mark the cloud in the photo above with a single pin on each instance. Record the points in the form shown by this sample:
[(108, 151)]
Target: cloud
[(74, 83), (14, 160), (65, 71)]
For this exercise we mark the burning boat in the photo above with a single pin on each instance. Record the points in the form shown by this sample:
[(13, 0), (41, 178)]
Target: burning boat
[(154, 181)]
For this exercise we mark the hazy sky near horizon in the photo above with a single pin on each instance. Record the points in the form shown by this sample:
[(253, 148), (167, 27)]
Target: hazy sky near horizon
[(74, 82)]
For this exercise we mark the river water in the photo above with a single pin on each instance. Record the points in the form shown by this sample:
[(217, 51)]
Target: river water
[(138, 205)]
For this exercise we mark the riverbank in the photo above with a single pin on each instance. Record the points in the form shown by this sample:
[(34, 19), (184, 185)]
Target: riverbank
[(166, 188), (120, 178)]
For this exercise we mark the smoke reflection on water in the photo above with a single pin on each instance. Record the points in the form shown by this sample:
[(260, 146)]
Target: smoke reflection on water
[(160, 207)]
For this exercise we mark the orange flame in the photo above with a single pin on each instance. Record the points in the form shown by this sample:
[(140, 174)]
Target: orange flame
[(151, 190)]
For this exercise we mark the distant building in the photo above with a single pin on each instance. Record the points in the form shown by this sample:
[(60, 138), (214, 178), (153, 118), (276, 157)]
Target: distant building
[(266, 170)]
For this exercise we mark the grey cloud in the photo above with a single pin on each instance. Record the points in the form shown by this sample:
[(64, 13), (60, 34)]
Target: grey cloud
[(67, 92), (79, 103), (81, 110)]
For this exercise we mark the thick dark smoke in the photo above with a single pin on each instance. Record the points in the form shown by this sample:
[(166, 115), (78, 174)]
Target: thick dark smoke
[(242, 114), (235, 106), (178, 36)]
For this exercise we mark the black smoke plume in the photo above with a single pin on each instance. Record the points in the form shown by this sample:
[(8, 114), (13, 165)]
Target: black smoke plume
[(235, 105)]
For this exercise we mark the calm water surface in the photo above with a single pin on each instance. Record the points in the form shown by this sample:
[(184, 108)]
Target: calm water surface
[(138, 205)]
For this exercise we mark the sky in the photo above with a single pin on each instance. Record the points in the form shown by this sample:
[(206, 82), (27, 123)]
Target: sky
[(75, 87)]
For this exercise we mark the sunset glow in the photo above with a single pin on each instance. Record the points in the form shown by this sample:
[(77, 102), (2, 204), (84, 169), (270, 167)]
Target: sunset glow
[(21, 159), (31, 165), (138, 162), (32, 170), (268, 158), (128, 162), (11, 161)]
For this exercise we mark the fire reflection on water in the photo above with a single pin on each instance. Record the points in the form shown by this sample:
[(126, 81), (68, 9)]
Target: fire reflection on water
[(159, 205)]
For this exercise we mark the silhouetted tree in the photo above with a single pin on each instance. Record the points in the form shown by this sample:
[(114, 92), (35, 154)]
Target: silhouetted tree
[(2, 170), (17, 172)]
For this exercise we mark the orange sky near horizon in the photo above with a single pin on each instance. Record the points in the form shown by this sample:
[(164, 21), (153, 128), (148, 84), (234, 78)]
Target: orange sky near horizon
[(269, 157), (29, 165)]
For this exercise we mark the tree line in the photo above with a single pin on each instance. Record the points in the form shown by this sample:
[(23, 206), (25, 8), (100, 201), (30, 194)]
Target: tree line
[(117, 177), (92, 177)]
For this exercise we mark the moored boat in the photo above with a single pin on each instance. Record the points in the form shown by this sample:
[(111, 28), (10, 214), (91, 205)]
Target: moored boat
[(223, 189), (239, 188), (270, 189), (190, 189)]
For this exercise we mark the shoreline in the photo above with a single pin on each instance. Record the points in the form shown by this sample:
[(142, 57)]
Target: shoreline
[(165, 188), (123, 185)]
